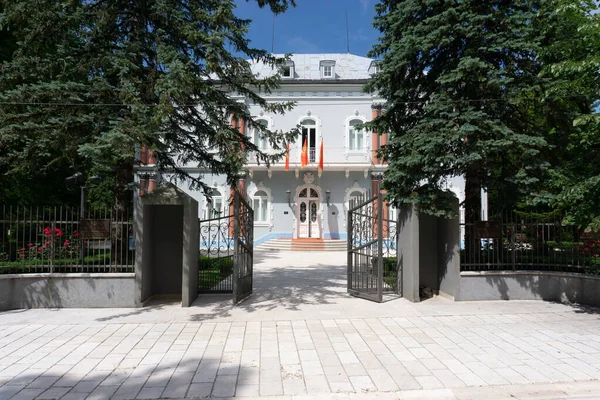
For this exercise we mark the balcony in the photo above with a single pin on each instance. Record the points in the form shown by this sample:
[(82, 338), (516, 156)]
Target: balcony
[(332, 156)]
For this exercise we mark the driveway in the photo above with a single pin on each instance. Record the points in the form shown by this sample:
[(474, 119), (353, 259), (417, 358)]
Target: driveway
[(300, 334)]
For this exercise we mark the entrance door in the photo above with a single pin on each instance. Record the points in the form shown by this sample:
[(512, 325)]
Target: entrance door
[(308, 214)]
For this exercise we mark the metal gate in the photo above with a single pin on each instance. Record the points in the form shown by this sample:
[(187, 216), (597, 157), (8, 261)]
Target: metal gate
[(243, 248), (226, 250), (373, 271)]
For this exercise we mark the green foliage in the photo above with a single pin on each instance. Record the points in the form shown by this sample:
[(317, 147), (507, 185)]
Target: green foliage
[(91, 81), (503, 93), (455, 77), (211, 271), (571, 57)]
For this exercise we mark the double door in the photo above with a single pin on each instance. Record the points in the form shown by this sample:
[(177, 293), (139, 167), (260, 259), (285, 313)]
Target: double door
[(309, 225)]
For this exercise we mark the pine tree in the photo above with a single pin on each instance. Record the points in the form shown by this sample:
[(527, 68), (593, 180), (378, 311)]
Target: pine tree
[(456, 78), (92, 81)]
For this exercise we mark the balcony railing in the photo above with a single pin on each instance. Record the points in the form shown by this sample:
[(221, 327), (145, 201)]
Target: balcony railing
[(331, 155)]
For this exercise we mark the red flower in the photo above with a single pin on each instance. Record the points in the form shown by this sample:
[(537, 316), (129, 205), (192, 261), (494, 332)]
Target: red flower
[(40, 248), (75, 234), (22, 249), (47, 243), (48, 231), (66, 243), (30, 245)]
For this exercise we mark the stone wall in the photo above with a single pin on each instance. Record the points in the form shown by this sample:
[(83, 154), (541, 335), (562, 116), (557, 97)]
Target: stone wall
[(93, 290)]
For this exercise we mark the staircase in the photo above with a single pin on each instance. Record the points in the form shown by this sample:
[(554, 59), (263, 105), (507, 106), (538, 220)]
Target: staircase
[(304, 245)]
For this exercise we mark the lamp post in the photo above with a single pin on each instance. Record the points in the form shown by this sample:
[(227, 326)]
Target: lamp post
[(289, 197), (327, 196)]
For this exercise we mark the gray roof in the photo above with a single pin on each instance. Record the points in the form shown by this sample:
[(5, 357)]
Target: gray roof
[(306, 66)]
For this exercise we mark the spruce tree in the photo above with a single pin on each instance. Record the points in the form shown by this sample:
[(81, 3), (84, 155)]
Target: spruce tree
[(92, 81), (456, 77)]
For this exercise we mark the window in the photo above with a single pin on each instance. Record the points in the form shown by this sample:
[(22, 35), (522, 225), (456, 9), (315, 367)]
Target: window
[(215, 206), (356, 136), (258, 136), (260, 203), (327, 69), (356, 197), (309, 135), (375, 67), (287, 71)]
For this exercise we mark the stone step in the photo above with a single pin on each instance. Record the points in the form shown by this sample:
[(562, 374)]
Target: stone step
[(304, 245)]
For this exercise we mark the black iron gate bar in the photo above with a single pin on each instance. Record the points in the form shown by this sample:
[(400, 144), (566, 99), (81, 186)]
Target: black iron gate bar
[(215, 267), (226, 251), (243, 249), (372, 266), (364, 265)]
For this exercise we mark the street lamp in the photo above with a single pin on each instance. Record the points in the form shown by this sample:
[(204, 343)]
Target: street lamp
[(327, 196), (289, 197)]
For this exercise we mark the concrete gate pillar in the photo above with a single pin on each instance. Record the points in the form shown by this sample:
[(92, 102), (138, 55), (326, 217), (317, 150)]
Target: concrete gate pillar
[(167, 245)]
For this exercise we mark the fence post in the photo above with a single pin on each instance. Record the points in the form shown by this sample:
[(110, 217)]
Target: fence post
[(379, 241), (52, 243), (350, 244), (236, 249), (513, 245)]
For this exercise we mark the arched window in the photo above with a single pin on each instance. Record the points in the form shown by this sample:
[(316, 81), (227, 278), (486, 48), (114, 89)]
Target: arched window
[(258, 136), (309, 135), (260, 203), (215, 205), (356, 136), (356, 196)]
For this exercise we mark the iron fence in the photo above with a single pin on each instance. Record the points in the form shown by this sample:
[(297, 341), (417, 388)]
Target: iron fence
[(58, 239), (517, 241)]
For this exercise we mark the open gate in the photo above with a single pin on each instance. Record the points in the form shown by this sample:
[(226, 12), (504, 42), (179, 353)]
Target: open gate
[(226, 251), (373, 272), (243, 250)]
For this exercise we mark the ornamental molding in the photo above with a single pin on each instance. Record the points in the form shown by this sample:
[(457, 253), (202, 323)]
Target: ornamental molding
[(309, 177)]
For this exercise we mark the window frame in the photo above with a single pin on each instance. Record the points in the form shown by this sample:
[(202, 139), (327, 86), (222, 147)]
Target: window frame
[(252, 134), (268, 198), (313, 156), (289, 66), (327, 64), (365, 135), (209, 211)]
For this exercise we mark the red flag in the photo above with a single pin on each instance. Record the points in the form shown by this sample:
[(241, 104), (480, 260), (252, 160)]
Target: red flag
[(287, 158), (321, 156), (304, 155)]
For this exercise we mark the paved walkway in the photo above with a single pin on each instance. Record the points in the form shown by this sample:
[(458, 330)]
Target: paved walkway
[(302, 335)]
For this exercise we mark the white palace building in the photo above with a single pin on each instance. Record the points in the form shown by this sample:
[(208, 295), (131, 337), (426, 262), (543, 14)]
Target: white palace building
[(330, 104)]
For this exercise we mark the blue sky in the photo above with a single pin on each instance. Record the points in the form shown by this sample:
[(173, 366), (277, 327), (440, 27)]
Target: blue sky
[(313, 26)]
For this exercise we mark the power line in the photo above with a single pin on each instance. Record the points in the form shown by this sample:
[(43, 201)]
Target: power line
[(30, 103)]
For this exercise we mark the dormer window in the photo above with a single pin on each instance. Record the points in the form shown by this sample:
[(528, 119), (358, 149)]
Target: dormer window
[(375, 67), (327, 69), (287, 71)]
